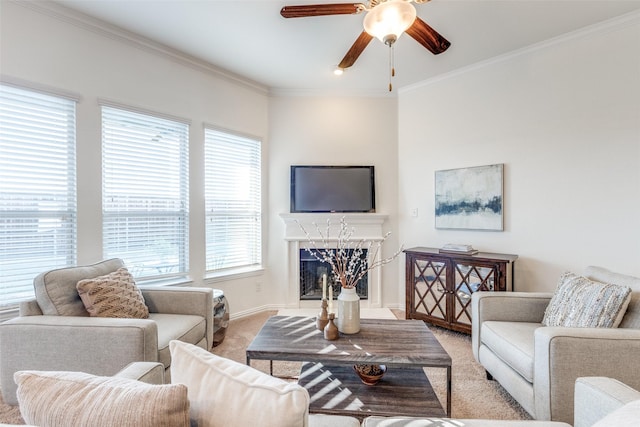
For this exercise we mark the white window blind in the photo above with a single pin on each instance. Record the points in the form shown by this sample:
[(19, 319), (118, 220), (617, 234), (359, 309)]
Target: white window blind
[(145, 193), (37, 189), (232, 201)]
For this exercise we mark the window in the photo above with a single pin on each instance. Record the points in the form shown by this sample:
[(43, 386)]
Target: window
[(37, 189), (232, 201), (145, 193)]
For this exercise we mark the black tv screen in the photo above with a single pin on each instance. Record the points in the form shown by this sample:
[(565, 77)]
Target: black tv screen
[(332, 189)]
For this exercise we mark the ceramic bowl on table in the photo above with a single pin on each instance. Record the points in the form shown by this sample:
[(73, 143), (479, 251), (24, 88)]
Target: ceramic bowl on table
[(370, 374)]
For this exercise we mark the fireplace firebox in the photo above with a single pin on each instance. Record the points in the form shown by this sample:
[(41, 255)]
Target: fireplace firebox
[(302, 228), (312, 271)]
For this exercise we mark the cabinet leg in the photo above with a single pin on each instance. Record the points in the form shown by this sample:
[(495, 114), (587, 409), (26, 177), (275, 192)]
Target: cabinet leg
[(489, 376)]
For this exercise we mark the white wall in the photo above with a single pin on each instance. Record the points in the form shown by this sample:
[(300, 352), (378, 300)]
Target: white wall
[(565, 121), (332, 131), (68, 56)]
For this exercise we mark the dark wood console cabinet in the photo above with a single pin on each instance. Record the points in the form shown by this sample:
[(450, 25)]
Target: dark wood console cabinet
[(439, 285)]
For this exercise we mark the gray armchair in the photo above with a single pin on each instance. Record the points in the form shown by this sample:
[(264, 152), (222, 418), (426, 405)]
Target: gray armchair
[(55, 333), (539, 365)]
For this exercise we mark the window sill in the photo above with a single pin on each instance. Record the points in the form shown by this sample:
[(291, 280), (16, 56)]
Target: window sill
[(173, 281), (233, 274)]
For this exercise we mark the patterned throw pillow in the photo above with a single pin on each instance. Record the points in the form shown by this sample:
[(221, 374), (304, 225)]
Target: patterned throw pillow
[(70, 399), (580, 302), (113, 295)]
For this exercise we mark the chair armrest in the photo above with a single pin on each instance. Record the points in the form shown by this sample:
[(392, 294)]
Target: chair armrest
[(596, 397), (146, 372), (182, 300), (510, 306), (505, 306), (99, 346), (30, 308), (564, 354), (178, 300)]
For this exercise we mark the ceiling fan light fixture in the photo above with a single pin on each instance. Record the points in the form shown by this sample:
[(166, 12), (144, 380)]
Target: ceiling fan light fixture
[(388, 20)]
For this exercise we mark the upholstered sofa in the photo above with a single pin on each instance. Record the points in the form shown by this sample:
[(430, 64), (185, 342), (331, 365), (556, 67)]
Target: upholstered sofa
[(265, 401), (538, 365), (54, 332)]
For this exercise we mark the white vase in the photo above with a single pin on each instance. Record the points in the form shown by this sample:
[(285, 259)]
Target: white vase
[(348, 311)]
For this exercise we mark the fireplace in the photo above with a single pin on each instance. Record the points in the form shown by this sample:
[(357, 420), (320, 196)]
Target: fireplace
[(367, 226), (312, 271)]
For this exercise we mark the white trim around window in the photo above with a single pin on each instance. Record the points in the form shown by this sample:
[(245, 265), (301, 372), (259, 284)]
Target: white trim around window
[(145, 193), (38, 206), (233, 203)]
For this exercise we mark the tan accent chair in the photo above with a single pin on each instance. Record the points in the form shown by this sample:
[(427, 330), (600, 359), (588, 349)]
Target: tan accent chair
[(539, 365), (55, 333)]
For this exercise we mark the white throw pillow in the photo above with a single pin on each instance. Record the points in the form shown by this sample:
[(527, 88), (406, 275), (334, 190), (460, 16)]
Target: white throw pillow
[(225, 393), (626, 416), (580, 302)]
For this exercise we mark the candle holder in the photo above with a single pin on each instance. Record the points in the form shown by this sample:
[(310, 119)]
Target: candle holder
[(331, 330), (323, 317)]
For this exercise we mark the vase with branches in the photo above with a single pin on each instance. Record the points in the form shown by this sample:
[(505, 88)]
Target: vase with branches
[(350, 260)]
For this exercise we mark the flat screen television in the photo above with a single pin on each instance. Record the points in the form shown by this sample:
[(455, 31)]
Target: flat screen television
[(332, 189)]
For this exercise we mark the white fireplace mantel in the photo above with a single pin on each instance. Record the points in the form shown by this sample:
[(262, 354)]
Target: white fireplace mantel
[(365, 226)]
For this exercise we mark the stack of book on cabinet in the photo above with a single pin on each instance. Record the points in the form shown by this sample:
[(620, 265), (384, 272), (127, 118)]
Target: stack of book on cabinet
[(458, 249)]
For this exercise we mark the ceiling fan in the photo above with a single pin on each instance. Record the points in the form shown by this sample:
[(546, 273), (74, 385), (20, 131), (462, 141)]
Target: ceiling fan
[(385, 20)]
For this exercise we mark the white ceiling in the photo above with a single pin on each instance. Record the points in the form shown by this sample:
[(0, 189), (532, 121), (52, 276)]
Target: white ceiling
[(251, 39)]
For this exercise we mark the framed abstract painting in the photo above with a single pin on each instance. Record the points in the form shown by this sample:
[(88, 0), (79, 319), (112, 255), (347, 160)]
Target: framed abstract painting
[(470, 198)]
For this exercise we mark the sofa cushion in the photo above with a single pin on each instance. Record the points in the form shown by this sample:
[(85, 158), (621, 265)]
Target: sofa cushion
[(113, 295), (513, 343), (322, 420), (580, 302), (626, 416), (225, 393), (70, 399), (56, 291), (182, 327), (450, 422)]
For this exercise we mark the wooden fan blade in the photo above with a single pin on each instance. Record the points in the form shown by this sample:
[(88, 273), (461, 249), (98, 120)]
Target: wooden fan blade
[(321, 10), (356, 49), (428, 37)]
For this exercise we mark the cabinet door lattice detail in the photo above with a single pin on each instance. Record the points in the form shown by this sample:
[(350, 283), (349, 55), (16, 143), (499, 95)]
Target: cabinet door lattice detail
[(430, 280)]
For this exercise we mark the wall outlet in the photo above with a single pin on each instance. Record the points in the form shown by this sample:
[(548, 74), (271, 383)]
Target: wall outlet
[(259, 286), (414, 212)]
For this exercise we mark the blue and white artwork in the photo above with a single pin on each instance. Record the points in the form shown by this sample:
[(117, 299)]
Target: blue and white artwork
[(469, 198)]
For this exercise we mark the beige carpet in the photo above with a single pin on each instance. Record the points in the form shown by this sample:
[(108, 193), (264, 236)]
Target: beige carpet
[(473, 395)]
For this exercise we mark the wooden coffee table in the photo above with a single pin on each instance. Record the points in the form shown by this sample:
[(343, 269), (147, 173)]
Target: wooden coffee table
[(404, 346)]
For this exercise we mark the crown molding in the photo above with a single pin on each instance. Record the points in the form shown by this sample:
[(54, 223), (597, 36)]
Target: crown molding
[(114, 32), (119, 34), (623, 21)]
